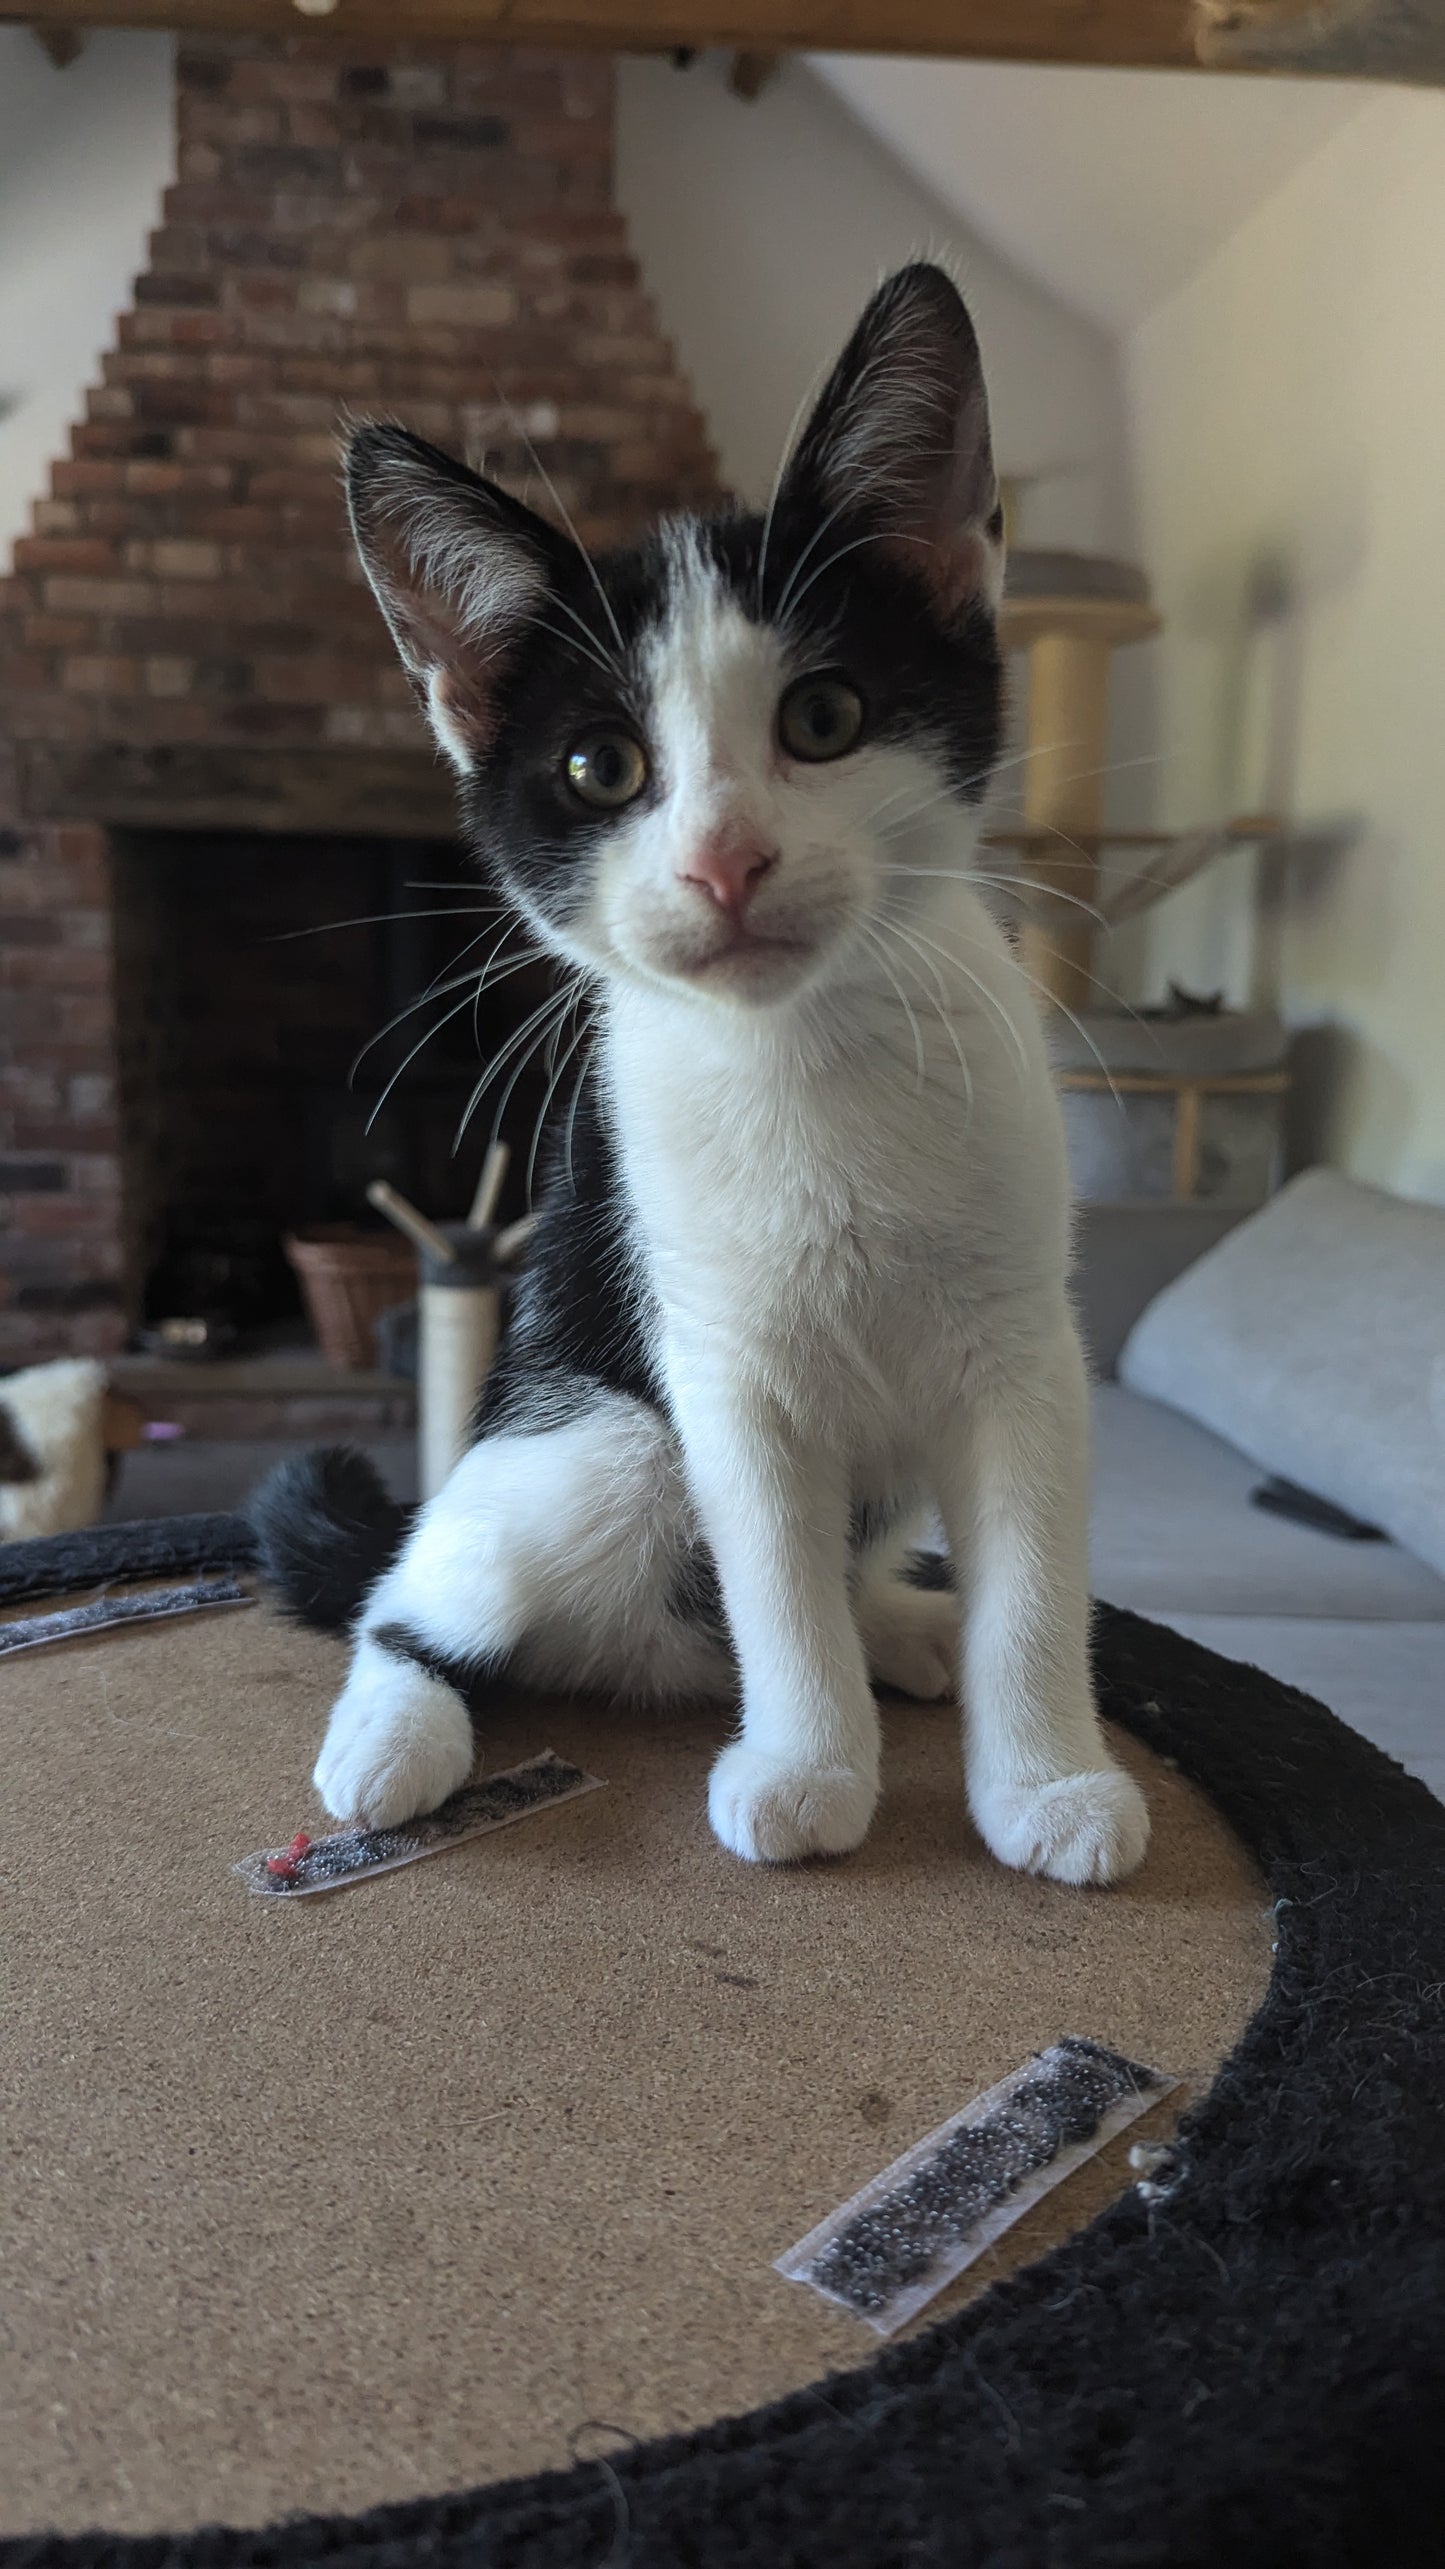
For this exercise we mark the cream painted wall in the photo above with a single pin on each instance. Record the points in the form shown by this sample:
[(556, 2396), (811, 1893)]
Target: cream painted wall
[(762, 228), (84, 156), (1289, 422)]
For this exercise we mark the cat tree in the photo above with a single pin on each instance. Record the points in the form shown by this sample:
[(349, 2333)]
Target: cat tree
[(1186, 1106)]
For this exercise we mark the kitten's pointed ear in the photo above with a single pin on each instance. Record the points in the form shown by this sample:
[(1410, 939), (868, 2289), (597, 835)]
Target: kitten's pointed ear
[(900, 435), (458, 567)]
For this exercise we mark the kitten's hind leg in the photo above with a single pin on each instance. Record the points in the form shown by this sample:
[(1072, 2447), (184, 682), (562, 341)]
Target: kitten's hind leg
[(909, 1635), (556, 1553)]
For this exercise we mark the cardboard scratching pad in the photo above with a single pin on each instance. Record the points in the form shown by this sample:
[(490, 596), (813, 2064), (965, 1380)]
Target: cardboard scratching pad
[(330, 2202)]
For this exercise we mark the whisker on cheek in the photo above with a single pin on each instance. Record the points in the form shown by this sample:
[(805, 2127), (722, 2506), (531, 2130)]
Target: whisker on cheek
[(520, 1034)]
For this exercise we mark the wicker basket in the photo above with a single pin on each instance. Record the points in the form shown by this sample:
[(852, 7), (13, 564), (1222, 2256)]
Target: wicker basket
[(349, 1277)]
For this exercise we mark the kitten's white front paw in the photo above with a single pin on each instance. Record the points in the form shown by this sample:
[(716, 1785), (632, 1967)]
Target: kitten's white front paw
[(1081, 1828), (398, 1743), (771, 1812), (910, 1637)]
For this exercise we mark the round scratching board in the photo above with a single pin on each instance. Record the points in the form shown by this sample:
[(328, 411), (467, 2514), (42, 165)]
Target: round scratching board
[(469, 2179)]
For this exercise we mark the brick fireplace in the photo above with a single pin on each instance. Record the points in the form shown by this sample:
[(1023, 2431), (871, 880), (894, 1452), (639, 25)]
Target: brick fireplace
[(209, 744)]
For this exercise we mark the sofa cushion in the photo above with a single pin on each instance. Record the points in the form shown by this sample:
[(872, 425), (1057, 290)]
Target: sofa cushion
[(1313, 1338)]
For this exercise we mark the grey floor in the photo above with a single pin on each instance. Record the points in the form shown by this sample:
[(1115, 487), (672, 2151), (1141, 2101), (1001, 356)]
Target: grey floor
[(1361, 1627)]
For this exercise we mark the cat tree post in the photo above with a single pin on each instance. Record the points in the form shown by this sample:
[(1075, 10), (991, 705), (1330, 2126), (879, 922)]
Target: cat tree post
[(1069, 642)]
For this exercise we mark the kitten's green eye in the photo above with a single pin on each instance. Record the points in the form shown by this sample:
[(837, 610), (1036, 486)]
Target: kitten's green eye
[(820, 718), (607, 769)]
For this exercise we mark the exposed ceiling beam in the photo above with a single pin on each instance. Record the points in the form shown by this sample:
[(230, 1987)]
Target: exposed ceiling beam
[(1142, 32)]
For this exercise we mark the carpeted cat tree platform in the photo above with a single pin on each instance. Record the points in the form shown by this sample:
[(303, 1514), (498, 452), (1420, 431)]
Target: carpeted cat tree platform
[(433, 2221)]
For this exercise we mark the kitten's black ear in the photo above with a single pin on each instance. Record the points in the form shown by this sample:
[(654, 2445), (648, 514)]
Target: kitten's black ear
[(899, 435), (457, 567)]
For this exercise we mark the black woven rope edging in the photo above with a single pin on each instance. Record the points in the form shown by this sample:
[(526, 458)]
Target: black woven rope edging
[(1247, 2366), (150, 1547)]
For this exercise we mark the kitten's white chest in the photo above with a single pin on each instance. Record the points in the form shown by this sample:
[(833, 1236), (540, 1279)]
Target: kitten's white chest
[(819, 1223)]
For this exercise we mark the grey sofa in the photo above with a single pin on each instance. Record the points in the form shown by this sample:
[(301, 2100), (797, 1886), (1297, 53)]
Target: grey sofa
[(1360, 1625), (1326, 1310)]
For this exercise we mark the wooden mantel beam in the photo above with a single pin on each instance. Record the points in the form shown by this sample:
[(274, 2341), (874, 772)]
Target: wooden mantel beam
[(1151, 33)]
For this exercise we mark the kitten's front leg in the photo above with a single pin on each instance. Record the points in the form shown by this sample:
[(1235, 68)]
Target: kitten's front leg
[(1044, 1791), (802, 1778)]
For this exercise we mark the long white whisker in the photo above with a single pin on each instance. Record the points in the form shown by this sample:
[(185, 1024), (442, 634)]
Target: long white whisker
[(1023, 883), (784, 459), (488, 977), (437, 990), (904, 1003), (1002, 882), (1080, 1030), (482, 968), (561, 1059), (565, 515), (444, 1020), (573, 642), (831, 562), (383, 919), (925, 803), (1082, 775), (912, 934), (572, 1114), (522, 1060), (520, 1035), (814, 540), (955, 789), (936, 1001)]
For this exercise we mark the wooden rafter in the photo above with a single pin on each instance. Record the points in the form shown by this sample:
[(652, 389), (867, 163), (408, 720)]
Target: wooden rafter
[(1144, 32)]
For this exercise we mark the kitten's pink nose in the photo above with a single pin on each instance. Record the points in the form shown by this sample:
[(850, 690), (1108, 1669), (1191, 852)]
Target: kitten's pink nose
[(728, 867)]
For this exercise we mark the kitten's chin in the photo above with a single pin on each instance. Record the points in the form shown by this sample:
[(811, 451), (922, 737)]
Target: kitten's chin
[(747, 971)]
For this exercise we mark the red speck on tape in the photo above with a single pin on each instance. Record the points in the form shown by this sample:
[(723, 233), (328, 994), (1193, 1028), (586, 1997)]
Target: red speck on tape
[(287, 1866)]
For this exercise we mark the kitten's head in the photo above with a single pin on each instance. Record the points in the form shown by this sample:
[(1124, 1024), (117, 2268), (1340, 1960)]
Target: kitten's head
[(699, 763)]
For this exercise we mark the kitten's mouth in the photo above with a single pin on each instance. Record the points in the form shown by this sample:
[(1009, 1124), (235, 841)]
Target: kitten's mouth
[(752, 963), (747, 958)]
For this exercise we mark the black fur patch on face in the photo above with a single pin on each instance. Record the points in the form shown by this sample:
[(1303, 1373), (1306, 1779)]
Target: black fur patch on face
[(844, 598), (847, 598)]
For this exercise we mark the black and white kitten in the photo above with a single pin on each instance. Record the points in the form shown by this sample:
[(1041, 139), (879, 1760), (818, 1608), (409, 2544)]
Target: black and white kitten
[(801, 1274)]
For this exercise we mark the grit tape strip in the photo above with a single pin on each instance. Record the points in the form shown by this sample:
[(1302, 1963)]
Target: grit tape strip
[(885, 2254), (309, 1865)]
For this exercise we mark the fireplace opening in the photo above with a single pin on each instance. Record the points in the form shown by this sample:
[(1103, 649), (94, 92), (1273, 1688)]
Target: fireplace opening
[(252, 972)]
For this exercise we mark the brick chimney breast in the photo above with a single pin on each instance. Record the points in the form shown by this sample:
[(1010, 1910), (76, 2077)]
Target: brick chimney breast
[(186, 640)]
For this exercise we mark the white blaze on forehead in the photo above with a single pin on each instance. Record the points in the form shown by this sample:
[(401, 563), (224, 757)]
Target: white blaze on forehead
[(712, 679)]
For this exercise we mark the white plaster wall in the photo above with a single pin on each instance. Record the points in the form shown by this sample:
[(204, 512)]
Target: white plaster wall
[(1289, 408), (1109, 186), (84, 156), (763, 226)]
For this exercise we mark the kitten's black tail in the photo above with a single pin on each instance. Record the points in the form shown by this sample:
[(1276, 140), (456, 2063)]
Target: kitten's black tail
[(325, 1530)]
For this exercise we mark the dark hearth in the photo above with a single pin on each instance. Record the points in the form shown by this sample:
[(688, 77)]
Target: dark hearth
[(252, 971)]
